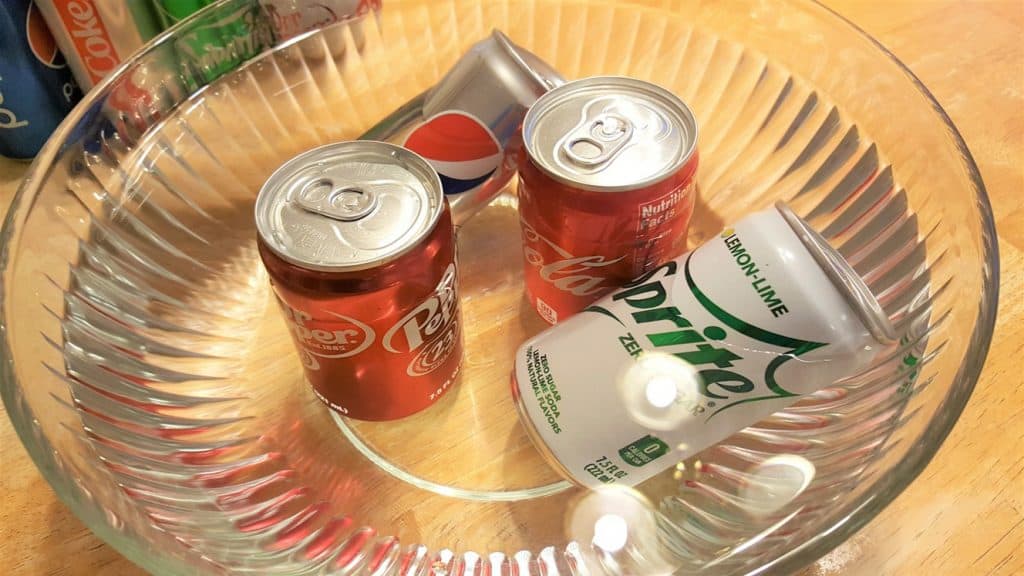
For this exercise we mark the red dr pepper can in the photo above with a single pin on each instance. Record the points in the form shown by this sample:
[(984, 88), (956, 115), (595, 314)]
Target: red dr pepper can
[(358, 240), (606, 191)]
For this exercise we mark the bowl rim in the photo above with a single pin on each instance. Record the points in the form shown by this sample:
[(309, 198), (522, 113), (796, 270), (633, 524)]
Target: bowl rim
[(910, 467), (889, 486)]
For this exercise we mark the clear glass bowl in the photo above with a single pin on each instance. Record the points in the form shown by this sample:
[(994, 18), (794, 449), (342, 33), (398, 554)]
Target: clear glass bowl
[(152, 380)]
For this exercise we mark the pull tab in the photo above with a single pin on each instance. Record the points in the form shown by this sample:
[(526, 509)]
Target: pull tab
[(343, 203), (597, 142)]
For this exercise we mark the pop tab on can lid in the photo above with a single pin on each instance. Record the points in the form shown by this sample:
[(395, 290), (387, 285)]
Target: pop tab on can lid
[(610, 133), (348, 206), (846, 280)]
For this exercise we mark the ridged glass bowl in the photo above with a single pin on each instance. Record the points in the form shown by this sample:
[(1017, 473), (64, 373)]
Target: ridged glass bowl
[(152, 379)]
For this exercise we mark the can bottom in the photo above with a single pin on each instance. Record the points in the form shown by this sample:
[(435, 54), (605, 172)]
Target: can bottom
[(388, 417)]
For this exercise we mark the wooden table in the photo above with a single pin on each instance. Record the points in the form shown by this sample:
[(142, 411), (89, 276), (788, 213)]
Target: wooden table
[(965, 514)]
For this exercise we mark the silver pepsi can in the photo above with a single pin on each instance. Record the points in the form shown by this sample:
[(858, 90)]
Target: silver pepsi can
[(468, 126)]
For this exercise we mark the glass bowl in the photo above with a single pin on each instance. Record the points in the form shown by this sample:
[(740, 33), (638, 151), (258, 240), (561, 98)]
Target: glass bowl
[(151, 377)]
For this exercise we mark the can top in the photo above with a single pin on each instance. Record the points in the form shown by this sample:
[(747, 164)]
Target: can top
[(846, 280), (348, 206), (610, 133)]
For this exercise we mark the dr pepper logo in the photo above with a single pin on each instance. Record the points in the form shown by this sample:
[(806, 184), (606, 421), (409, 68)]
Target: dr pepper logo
[(431, 328), (342, 338)]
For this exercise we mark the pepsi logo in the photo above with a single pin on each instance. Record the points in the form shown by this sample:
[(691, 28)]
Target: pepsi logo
[(40, 41), (461, 148)]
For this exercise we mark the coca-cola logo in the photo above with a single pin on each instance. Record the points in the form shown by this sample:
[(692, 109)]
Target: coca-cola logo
[(92, 42), (580, 276), (430, 326)]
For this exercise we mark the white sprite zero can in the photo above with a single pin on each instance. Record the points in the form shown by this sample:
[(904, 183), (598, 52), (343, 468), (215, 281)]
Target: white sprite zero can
[(696, 350)]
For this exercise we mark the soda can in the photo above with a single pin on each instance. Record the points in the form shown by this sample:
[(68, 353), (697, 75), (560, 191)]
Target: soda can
[(607, 190), (696, 349), (360, 248), (293, 17), (468, 125), (96, 36), (36, 87)]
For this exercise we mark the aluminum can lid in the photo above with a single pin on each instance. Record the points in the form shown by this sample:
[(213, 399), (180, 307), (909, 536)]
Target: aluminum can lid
[(610, 134), (349, 206), (846, 280)]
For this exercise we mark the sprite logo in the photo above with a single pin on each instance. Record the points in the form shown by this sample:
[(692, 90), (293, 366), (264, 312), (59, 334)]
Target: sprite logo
[(726, 378)]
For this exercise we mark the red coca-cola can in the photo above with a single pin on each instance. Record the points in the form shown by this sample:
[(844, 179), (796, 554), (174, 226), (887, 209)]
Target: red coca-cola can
[(358, 241), (606, 190)]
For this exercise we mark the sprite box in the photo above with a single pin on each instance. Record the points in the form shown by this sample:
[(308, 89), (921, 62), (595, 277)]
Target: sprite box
[(219, 39), (696, 350)]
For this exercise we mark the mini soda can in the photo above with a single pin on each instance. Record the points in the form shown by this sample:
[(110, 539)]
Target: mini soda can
[(36, 87), (468, 125), (358, 241), (696, 349), (293, 17), (96, 36), (606, 190)]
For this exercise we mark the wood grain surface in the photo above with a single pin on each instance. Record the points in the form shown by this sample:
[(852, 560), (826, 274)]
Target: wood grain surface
[(965, 514)]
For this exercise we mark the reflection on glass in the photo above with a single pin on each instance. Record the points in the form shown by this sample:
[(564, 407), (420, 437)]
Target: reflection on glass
[(619, 525), (659, 390), (776, 482), (689, 472), (610, 533)]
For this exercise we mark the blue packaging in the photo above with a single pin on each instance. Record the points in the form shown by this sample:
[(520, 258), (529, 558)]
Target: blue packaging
[(36, 87)]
